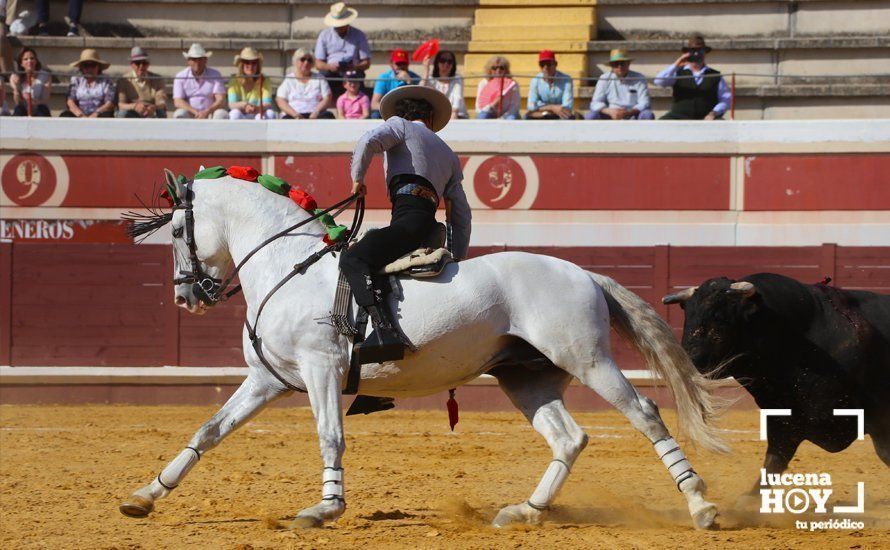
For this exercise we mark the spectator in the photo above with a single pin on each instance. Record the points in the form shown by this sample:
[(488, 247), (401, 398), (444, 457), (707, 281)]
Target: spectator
[(397, 76), (354, 103), (497, 95), (621, 93), (304, 93), (250, 93), (92, 94), (4, 110), (446, 80), (30, 85), (700, 93), (551, 94), (198, 91), (341, 47), (75, 7), (140, 93)]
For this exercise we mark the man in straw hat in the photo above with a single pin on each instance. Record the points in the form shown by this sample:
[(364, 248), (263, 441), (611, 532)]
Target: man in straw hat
[(140, 93), (620, 94), (341, 47), (420, 168), (92, 94), (199, 91), (700, 92)]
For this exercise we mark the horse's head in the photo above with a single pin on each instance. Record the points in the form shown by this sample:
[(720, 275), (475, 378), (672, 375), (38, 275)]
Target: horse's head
[(200, 255)]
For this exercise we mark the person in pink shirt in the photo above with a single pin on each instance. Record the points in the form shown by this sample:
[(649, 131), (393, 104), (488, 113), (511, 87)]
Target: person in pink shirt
[(353, 104)]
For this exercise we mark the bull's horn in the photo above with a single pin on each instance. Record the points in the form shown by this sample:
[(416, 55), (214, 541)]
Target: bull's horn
[(679, 297), (743, 288)]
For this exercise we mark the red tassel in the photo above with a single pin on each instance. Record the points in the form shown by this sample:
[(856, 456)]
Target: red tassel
[(243, 173), (303, 199), (165, 194), (452, 409)]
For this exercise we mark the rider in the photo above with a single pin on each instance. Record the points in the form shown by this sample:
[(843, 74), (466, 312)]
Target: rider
[(420, 168)]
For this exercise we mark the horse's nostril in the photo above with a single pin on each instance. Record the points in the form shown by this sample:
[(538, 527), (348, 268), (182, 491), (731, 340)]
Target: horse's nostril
[(180, 300)]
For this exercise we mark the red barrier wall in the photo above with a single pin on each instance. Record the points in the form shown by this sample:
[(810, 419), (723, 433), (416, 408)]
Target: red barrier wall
[(111, 304)]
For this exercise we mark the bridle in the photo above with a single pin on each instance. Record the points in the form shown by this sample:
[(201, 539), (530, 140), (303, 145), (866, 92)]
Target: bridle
[(212, 290)]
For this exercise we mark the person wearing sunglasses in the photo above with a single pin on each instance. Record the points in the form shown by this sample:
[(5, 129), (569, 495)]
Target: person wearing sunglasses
[(498, 94), (141, 93), (620, 94), (341, 47), (250, 92), (700, 92), (92, 94), (445, 79), (304, 93), (551, 94), (399, 75)]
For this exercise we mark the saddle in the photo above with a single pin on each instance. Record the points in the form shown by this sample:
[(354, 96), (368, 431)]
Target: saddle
[(427, 261)]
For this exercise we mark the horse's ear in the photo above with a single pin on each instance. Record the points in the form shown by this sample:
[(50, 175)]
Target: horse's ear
[(170, 177), (174, 186)]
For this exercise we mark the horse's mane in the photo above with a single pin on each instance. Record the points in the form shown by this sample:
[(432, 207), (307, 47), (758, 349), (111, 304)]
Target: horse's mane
[(142, 225)]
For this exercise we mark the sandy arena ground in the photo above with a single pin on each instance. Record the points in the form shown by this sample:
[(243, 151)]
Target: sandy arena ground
[(410, 484)]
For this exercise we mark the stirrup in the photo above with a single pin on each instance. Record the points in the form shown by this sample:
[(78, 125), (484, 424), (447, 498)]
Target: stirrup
[(382, 345)]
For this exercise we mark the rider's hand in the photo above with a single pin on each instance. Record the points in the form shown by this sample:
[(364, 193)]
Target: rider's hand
[(359, 189)]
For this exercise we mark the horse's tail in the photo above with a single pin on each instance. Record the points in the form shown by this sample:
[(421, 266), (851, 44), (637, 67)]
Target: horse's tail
[(637, 322)]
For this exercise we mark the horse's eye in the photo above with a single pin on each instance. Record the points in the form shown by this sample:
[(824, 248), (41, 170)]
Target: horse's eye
[(177, 232)]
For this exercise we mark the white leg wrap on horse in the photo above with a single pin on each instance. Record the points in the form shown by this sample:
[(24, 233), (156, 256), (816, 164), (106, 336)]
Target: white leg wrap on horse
[(176, 470), (674, 460), (554, 477), (332, 484)]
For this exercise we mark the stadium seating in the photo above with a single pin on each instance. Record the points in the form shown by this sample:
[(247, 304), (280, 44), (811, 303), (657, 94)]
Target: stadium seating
[(789, 45)]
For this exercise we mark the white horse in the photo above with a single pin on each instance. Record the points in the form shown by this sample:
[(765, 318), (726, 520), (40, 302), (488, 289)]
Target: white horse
[(534, 322)]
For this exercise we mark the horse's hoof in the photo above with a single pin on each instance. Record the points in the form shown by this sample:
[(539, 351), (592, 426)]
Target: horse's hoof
[(307, 522), (517, 514), (704, 517), (137, 507)]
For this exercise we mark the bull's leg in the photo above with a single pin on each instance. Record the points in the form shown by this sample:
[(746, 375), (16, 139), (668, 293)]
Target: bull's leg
[(253, 395), (539, 396), (608, 381), (323, 386)]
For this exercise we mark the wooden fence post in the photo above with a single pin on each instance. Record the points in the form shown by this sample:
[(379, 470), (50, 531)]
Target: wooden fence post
[(6, 303), (662, 275), (828, 262)]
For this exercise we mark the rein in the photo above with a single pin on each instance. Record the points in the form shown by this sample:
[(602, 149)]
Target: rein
[(212, 290)]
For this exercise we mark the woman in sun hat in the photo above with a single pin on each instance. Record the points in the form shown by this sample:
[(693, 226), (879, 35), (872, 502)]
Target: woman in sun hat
[(249, 92), (420, 169), (91, 94)]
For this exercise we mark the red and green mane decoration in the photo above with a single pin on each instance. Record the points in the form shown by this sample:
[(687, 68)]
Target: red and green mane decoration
[(335, 233)]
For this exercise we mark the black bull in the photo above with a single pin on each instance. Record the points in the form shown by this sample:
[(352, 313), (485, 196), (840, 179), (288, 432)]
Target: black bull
[(808, 348)]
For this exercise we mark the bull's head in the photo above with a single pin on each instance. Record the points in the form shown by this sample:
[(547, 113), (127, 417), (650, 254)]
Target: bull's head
[(718, 314)]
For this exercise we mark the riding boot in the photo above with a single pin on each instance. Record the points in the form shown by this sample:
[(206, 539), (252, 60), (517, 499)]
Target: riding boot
[(384, 343)]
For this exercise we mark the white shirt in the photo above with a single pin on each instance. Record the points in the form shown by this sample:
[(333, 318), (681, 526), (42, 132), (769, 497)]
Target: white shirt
[(453, 88), (412, 148), (303, 96), (630, 92)]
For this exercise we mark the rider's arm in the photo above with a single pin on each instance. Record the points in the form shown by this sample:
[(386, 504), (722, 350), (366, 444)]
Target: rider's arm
[(386, 136), (459, 215)]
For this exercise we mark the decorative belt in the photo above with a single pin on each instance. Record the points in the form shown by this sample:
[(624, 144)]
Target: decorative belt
[(411, 184)]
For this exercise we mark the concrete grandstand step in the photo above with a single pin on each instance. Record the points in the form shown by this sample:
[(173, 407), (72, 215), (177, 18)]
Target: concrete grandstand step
[(571, 32), (538, 15)]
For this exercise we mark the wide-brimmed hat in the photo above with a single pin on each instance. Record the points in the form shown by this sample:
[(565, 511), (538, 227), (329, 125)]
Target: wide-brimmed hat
[(138, 53), (438, 100), (196, 51), (248, 54), (91, 55), (619, 54), (696, 41), (340, 15)]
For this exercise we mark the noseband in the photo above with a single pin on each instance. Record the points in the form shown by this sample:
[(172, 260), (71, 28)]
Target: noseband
[(206, 288)]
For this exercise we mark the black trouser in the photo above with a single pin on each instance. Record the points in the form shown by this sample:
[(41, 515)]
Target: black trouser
[(413, 218)]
